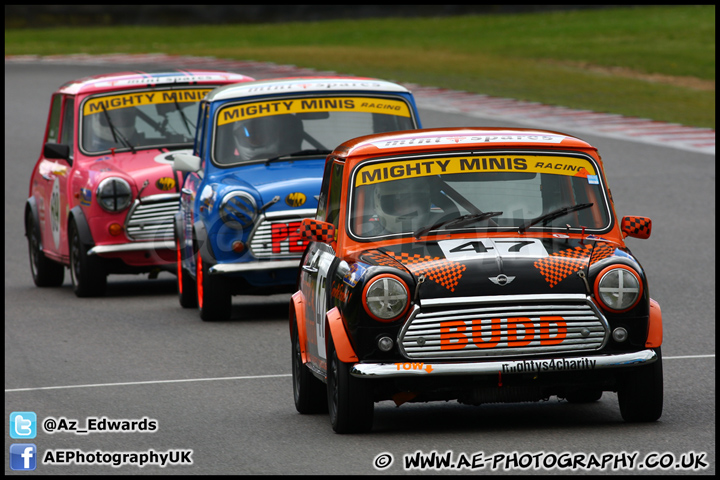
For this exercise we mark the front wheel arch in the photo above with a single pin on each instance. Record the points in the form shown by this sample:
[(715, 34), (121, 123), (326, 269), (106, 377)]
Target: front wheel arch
[(640, 391), (78, 216), (350, 400), (213, 292), (87, 272), (335, 329)]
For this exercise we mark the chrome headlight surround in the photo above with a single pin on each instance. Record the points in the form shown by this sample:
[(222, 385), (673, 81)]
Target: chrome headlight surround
[(238, 210), (386, 298), (618, 288), (114, 194)]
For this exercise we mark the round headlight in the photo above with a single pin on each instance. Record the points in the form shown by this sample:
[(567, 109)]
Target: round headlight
[(114, 194), (238, 210), (618, 288), (385, 298)]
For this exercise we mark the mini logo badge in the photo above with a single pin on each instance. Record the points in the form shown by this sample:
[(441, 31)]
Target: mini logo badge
[(295, 199), (165, 184), (501, 279)]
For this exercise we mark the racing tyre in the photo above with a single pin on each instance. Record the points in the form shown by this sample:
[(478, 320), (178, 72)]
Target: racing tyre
[(187, 289), (309, 392), (88, 274), (640, 393), (349, 401), (45, 272), (213, 298)]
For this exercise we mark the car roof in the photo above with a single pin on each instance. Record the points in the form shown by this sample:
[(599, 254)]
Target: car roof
[(430, 140), (140, 79), (305, 84)]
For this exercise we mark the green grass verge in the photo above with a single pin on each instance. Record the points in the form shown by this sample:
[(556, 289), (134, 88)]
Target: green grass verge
[(650, 62)]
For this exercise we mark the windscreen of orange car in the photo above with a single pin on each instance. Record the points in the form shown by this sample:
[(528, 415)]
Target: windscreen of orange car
[(403, 196)]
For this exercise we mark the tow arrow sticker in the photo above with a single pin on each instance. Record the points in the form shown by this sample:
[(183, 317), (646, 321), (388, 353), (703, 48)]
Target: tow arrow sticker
[(414, 366)]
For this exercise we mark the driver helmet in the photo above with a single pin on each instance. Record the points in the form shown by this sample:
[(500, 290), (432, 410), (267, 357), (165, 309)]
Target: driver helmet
[(403, 205), (257, 138), (122, 120)]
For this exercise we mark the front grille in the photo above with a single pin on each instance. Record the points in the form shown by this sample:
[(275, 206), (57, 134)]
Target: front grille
[(277, 236), (505, 326), (153, 218)]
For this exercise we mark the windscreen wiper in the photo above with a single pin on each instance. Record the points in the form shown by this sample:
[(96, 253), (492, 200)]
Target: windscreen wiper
[(457, 222), (553, 215), (116, 133), (184, 118), (300, 153)]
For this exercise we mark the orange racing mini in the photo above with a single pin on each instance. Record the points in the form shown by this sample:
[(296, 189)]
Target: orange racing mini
[(476, 264)]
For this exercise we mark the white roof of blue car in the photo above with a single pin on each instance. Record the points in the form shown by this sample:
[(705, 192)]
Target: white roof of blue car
[(303, 84)]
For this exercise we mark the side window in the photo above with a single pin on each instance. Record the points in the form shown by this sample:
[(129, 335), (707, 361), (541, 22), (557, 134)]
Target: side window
[(200, 133), (334, 199), (323, 197), (68, 122), (54, 126)]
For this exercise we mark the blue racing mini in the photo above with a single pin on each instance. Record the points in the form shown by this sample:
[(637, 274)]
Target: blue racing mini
[(255, 174)]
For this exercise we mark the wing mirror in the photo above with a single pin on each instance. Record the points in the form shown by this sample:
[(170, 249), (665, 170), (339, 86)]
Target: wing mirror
[(637, 227), (317, 231), (185, 162), (58, 151)]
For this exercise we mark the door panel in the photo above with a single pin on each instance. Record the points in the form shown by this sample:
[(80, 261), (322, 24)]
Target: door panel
[(314, 285)]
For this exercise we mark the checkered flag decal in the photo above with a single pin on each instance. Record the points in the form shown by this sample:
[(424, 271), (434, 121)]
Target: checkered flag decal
[(558, 266), (638, 227), (376, 256), (445, 272), (312, 229), (601, 251)]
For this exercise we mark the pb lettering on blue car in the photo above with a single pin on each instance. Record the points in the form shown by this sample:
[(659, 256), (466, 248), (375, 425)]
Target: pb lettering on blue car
[(255, 173)]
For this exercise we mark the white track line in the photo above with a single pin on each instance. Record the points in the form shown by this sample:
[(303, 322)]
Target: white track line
[(248, 377), (151, 382), (639, 130)]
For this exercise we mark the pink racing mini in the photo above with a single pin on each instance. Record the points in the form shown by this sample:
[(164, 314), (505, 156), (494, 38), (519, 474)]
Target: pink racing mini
[(103, 192)]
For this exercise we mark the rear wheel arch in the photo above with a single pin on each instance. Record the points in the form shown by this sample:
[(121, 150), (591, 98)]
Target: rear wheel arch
[(45, 272), (31, 214), (297, 321), (309, 392)]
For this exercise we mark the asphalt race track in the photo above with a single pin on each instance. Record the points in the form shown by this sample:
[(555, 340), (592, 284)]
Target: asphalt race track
[(223, 390)]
